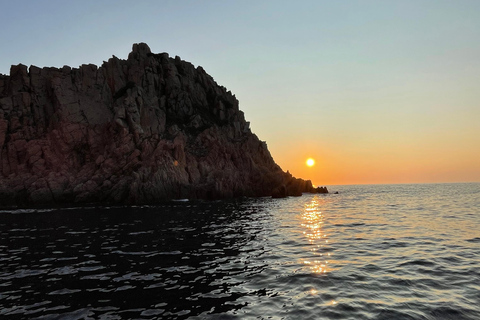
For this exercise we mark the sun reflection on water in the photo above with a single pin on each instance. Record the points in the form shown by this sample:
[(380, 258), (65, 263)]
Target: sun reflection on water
[(312, 221)]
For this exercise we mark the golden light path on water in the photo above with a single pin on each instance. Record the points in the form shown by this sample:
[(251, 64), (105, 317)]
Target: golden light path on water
[(312, 222)]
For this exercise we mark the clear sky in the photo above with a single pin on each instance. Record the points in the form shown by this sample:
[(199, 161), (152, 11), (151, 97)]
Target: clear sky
[(375, 91)]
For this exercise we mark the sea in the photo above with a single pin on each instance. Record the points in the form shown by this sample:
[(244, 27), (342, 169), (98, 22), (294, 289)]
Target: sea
[(407, 251)]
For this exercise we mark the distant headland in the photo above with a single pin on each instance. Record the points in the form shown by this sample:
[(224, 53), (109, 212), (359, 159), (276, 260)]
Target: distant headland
[(141, 130)]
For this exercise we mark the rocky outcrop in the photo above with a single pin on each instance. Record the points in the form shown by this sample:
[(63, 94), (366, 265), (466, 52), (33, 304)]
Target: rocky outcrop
[(131, 131)]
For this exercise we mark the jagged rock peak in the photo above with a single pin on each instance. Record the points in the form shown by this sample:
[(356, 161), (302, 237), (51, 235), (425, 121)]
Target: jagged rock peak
[(139, 51)]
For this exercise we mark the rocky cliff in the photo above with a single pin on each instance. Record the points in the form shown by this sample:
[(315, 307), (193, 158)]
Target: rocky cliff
[(131, 131)]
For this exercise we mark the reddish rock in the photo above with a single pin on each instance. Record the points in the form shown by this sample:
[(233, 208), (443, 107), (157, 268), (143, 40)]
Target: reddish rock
[(140, 130)]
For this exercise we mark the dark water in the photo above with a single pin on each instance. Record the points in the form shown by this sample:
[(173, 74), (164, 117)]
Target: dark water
[(371, 252)]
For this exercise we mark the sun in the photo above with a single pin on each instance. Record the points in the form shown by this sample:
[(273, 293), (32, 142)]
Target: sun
[(310, 162)]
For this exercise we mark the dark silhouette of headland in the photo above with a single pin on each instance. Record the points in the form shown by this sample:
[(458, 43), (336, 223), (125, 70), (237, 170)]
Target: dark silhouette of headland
[(133, 131)]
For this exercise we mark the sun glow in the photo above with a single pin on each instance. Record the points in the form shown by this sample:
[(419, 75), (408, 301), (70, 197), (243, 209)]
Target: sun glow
[(310, 162)]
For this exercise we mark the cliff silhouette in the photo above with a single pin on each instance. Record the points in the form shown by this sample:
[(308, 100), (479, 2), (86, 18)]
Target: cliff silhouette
[(140, 130)]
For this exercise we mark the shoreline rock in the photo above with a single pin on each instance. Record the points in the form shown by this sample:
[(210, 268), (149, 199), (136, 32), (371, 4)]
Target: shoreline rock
[(135, 131)]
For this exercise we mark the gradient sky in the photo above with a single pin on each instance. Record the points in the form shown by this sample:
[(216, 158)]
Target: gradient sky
[(374, 91)]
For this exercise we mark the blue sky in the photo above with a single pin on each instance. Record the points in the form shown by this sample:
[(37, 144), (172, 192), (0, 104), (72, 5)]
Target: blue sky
[(376, 91)]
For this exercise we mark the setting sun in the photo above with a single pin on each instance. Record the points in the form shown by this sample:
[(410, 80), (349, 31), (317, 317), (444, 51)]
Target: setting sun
[(310, 162)]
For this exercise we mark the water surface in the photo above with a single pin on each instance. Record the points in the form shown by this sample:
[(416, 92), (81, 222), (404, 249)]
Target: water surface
[(370, 252)]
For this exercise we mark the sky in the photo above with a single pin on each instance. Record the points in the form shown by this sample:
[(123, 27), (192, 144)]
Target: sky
[(375, 91)]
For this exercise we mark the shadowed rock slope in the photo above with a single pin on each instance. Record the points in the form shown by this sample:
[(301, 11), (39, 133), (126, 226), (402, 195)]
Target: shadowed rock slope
[(140, 130)]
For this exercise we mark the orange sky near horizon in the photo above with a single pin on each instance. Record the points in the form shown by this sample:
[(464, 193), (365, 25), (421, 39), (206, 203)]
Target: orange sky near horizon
[(435, 149), (337, 168), (380, 163)]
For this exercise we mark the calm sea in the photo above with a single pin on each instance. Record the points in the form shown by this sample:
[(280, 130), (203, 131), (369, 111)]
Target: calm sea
[(369, 252)]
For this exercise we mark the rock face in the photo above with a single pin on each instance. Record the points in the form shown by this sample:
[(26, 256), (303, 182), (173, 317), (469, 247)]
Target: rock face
[(131, 131)]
